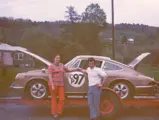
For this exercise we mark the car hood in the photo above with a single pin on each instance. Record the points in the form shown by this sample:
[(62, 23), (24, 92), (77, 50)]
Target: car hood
[(138, 59)]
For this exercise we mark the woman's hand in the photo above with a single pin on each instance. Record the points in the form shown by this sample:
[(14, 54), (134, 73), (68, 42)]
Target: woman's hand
[(79, 69), (53, 87)]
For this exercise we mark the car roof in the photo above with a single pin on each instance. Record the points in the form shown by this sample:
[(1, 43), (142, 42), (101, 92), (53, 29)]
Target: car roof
[(101, 58), (94, 56)]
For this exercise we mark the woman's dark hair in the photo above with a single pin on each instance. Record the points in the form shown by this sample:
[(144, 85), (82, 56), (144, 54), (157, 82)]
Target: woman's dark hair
[(56, 55)]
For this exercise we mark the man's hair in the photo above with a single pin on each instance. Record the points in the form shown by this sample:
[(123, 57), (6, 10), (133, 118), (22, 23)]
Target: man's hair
[(91, 59)]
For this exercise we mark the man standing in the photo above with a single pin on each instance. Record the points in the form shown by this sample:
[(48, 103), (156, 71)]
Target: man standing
[(96, 79)]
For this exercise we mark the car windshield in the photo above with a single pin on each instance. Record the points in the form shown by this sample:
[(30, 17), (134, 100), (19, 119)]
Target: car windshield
[(70, 62)]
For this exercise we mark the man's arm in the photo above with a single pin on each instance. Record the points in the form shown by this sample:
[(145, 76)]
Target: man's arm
[(104, 79), (104, 76)]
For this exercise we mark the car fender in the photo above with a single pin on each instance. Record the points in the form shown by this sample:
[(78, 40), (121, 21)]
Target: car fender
[(125, 80), (38, 77), (119, 79), (35, 78)]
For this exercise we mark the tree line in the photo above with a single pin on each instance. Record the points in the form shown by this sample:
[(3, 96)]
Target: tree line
[(79, 34)]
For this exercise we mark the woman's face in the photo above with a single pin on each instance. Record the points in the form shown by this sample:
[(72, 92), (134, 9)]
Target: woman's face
[(57, 59)]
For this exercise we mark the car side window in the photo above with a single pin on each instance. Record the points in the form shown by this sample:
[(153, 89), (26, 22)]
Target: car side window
[(76, 64), (84, 64), (111, 66)]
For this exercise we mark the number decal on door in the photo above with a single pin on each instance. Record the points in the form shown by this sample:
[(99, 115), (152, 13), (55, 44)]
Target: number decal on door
[(76, 79)]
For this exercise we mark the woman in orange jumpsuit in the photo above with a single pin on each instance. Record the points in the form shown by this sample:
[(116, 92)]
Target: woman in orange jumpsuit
[(56, 85)]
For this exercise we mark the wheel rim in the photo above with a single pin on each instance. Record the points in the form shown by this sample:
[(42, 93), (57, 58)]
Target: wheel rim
[(121, 89), (38, 90), (106, 106)]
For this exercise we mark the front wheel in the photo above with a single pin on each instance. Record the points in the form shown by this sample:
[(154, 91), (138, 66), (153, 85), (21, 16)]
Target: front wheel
[(37, 90)]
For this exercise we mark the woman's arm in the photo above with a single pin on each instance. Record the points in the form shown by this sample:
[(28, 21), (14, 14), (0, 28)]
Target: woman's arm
[(75, 69), (83, 71), (71, 69), (50, 81), (50, 77)]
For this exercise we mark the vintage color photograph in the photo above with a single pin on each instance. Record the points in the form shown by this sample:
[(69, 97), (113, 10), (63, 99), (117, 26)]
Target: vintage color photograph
[(79, 60)]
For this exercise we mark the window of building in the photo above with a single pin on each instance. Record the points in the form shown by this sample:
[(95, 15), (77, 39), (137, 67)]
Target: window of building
[(18, 56)]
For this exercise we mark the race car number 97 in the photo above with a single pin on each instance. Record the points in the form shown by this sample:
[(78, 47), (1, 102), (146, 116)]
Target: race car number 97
[(76, 79)]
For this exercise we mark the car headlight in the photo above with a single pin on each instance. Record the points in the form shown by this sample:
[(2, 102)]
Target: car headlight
[(17, 76)]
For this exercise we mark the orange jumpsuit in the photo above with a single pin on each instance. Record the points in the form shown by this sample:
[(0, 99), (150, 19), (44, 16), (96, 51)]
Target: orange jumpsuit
[(58, 81)]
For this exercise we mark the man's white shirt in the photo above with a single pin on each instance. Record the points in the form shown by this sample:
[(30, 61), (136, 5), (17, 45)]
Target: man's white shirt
[(95, 76)]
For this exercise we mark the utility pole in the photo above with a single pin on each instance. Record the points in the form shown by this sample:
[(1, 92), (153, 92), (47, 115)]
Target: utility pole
[(113, 31)]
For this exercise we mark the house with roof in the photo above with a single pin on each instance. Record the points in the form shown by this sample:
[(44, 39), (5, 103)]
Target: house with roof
[(10, 57)]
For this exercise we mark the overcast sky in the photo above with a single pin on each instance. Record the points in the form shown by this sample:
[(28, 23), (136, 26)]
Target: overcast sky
[(126, 11)]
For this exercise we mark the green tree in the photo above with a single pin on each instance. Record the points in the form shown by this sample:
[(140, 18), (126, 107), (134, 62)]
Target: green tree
[(38, 42), (94, 14), (85, 33), (71, 50), (72, 15), (124, 39)]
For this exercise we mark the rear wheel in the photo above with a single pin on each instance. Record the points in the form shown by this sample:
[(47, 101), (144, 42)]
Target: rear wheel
[(110, 104), (123, 89)]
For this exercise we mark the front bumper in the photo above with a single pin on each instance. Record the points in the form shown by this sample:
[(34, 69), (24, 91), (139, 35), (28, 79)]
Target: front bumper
[(16, 86), (16, 90)]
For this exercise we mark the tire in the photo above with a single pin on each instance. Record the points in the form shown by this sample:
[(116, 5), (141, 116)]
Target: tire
[(110, 104), (37, 89), (123, 89)]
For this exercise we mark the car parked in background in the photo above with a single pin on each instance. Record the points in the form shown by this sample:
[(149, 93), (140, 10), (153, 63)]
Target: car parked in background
[(122, 78)]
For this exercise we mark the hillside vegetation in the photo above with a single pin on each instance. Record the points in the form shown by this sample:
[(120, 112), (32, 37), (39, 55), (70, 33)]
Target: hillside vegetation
[(88, 33)]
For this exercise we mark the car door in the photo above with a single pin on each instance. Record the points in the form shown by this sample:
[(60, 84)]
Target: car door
[(77, 82)]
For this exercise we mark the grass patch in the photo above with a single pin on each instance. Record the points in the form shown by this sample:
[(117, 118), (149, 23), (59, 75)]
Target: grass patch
[(7, 77), (149, 70)]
